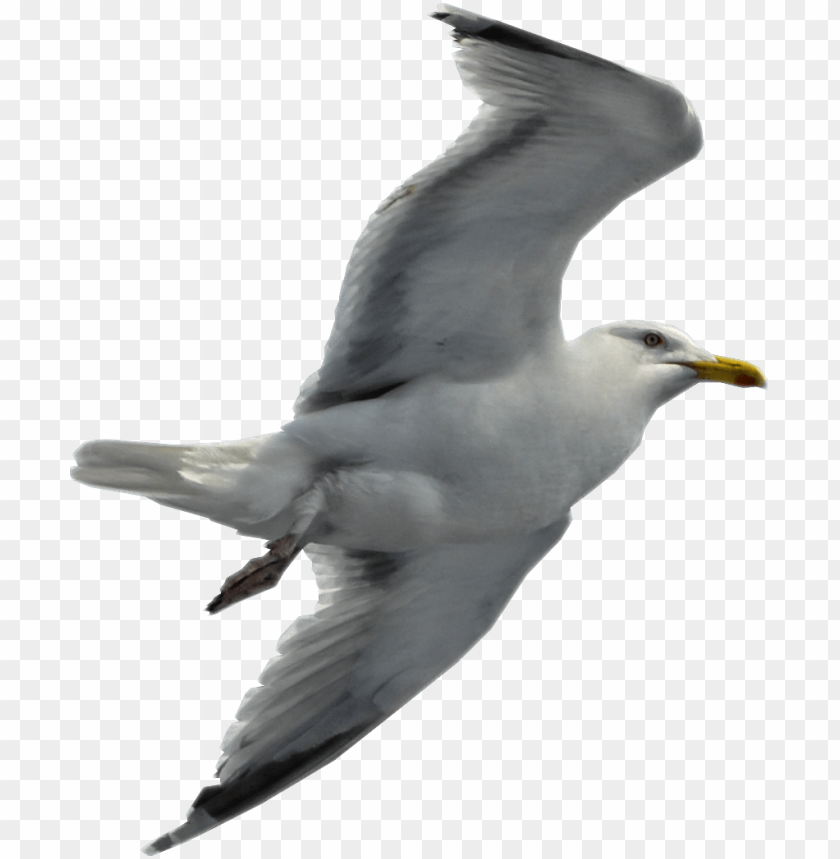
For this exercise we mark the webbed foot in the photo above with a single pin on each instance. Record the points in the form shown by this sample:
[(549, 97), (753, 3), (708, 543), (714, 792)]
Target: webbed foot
[(258, 575)]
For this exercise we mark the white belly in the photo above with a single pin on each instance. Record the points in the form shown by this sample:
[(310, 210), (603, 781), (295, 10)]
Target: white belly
[(458, 462)]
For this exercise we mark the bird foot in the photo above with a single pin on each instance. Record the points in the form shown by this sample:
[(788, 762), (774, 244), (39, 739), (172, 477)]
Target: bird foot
[(258, 575)]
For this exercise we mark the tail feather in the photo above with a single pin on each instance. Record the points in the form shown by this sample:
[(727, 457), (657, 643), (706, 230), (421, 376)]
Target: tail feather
[(145, 469), (241, 484)]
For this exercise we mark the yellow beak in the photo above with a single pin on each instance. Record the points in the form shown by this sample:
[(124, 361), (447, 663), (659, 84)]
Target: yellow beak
[(729, 371)]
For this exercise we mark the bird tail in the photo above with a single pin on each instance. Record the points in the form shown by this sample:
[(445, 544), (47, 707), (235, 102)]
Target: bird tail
[(250, 485)]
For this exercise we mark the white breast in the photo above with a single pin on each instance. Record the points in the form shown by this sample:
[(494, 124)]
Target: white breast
[(452, 462)]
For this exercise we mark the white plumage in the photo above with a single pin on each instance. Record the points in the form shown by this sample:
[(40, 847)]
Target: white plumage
[(437, 451)]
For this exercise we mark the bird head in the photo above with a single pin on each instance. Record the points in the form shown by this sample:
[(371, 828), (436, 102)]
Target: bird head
[(658, 362)]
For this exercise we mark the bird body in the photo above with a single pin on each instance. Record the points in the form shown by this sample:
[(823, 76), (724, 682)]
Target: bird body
[(464, 459), (437, 452)]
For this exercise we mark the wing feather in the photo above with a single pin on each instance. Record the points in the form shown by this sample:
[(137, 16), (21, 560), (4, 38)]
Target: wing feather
[(458, 272), (346, 668)]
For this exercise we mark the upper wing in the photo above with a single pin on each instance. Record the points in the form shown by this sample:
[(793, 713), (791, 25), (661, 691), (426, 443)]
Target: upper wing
[(386, 626), (459, 270)]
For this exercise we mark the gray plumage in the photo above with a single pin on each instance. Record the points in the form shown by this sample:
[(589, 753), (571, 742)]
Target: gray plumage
[(438, 450)]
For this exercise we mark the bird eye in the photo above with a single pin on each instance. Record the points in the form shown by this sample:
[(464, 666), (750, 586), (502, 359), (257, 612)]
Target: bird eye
[(653, 339)]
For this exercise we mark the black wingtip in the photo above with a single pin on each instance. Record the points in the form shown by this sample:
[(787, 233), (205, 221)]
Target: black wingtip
[(467, 23), (197, 823), (463, 21), (158, 845)]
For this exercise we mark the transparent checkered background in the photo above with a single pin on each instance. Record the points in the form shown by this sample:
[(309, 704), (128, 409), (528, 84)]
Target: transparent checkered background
[(181, 188)]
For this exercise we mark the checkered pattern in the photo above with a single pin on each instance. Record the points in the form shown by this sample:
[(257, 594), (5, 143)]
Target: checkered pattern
[(181, 187)]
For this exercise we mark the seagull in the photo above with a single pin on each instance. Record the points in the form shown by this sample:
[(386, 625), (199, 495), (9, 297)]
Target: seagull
[(436, 454)]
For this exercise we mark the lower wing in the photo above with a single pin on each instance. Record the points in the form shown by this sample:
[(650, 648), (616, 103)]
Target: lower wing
[(386, 626)]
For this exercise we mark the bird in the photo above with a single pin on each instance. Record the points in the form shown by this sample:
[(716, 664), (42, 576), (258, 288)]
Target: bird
[(436, 453)]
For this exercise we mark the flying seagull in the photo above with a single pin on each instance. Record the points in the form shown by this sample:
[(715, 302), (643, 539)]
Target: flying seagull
[(436, 453)]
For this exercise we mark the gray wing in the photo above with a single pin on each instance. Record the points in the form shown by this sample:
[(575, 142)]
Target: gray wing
[(386, 626), (458, 271)]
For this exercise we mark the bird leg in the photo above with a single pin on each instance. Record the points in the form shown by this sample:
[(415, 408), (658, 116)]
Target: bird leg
[(258, 575)]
